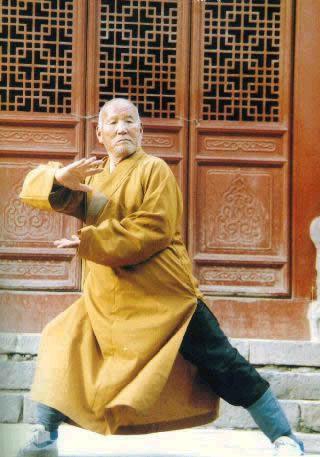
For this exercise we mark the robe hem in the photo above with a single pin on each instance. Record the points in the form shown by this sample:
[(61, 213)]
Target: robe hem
[(134, 429)]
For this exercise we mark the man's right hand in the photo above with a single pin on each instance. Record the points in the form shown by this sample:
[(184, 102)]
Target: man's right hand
[(74, 174)]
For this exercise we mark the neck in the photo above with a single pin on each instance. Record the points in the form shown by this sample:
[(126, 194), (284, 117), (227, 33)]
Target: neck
[(115, 159)]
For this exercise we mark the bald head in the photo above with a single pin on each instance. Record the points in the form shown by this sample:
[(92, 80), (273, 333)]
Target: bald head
[(119, 104)]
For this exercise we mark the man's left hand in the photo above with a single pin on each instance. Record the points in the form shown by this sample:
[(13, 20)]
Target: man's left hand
[(65, 243)]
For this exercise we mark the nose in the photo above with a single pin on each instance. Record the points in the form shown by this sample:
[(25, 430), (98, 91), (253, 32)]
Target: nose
[(122, 127)]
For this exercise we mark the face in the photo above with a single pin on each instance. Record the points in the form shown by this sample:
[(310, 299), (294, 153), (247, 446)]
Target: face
[(121, 131)]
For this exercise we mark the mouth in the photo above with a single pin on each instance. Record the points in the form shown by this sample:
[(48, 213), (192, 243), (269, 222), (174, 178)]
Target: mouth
[(124, 140)]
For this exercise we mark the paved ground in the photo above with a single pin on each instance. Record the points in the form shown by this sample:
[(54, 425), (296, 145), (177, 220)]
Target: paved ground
[(196, 442)]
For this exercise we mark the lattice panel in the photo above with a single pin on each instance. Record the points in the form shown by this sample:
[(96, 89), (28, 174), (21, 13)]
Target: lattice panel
[(36, 55), (241, 60), (138, 54)]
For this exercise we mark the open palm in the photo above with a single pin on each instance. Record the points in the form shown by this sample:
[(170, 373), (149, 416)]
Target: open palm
[(65, 243), (74, 174)]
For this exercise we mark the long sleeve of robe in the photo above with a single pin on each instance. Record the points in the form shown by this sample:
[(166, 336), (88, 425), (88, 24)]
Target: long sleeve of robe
[(142, 233), (111, 362), (40, 191)]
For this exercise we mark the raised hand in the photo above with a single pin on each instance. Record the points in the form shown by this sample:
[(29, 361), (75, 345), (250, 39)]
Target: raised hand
[(65, 243), (74, 174)]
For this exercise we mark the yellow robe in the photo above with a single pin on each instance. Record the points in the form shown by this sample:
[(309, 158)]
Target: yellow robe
[(111, 361)]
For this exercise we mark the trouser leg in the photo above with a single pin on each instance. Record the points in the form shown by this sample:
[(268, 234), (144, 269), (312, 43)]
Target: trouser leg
[(230, 375), (49, 417), (270, 417)]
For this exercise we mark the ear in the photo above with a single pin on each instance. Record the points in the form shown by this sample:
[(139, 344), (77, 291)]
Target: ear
[(99, 134), (140, 136)]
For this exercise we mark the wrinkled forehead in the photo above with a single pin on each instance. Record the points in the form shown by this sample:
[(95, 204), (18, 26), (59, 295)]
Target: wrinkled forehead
[(120, 109)]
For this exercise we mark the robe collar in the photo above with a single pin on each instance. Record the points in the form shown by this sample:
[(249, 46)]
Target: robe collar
[(113, 180)]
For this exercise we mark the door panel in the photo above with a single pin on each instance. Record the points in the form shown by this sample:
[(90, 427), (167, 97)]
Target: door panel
[(141, 51), (42, 101), (239, 147)]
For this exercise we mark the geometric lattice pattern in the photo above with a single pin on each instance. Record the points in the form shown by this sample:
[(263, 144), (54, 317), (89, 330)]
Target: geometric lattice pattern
[(36, 55), (241, 60), (138, 47)]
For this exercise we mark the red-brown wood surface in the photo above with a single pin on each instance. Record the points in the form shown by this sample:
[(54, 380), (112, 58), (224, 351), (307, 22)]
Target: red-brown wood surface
[(141, 51), (306, 145), (30, 311), (280, 317), (241, 138), (239, 155), (42, 102)]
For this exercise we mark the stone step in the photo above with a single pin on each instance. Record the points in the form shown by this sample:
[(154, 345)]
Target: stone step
[(303, 415), (279, 352), (19, 343), (287, 383), (258, 352), (293, 383), (196, 442), (16, 375)]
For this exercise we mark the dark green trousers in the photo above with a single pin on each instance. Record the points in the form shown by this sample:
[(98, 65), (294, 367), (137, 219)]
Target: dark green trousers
[(229, 374)]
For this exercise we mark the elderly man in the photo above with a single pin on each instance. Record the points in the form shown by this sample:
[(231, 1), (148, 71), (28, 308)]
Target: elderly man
[(140, 350)]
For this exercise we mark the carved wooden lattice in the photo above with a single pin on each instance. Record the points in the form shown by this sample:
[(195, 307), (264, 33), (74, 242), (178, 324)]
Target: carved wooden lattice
[(138, 46), (241, 67), (36, 47)]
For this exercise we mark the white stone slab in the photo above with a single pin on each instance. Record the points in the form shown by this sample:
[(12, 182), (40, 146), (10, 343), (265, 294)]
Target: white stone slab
[(22, 343), (16, 375), (10, 407), (237, 417), (281, 352), (293, 385)]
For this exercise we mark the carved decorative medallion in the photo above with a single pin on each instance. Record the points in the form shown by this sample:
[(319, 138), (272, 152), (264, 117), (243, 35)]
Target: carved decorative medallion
[(241, 60), (21, 220), (241, 217)]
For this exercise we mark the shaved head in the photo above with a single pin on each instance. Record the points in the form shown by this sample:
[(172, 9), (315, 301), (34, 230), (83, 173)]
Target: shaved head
[(116, 102)]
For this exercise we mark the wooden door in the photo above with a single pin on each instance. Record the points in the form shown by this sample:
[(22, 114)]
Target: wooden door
[(239, 130), (42, 104), (243, 192), (133, 49), (140, 50)]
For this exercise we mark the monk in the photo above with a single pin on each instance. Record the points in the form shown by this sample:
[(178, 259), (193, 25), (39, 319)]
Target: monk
[(139, 351)]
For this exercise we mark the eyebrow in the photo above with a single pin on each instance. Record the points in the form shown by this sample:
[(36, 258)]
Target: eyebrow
[(113, 116)]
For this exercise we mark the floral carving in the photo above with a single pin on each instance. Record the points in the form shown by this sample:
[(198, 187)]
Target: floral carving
[(21, 220), (241, 217)]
